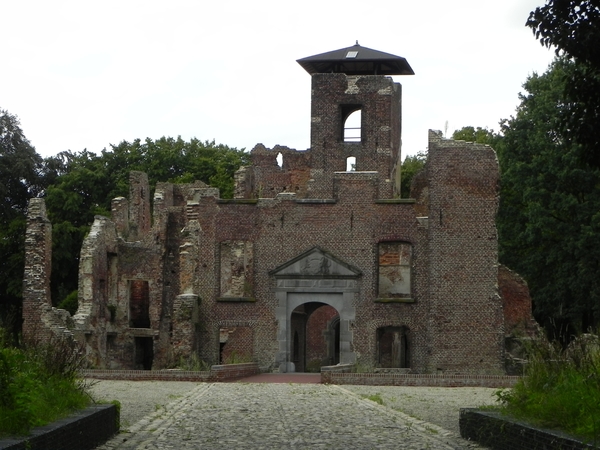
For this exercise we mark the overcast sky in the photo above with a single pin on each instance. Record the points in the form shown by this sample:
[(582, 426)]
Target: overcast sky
[(84, 75)]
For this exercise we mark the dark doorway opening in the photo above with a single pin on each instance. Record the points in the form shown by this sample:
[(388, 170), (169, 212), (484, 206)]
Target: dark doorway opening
[(144, 353), (139, 304), (392, 347), (315, 337)]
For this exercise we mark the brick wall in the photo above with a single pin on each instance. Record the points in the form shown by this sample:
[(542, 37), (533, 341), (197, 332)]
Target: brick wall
[(217, 373), (319, 333), (516, 303), (236, 342), (403, 379), (466, 310)]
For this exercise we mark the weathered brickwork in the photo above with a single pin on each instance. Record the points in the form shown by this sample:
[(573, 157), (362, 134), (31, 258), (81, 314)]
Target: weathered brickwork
[(236, 343), (309, 264), (41, 322), (321, 337), (516, 303)]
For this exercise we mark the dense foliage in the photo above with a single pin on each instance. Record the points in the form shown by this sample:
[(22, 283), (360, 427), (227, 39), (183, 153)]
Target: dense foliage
[(84, 184), (411, 165), (549, 216), (39, 385), (572, 27), (549, 153), (561, 389), (478, 135), (20, 179)]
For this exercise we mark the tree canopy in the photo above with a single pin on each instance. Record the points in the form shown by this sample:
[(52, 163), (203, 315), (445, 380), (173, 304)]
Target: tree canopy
[(20, 170), (82, 185), (549, 216), (478, 135), (573, 28), (411, 165), (20, 167)]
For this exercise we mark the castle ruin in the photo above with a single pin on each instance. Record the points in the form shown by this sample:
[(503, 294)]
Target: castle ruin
[(316, 261)]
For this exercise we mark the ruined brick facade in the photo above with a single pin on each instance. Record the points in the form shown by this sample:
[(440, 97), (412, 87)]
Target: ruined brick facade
[(310, 264)]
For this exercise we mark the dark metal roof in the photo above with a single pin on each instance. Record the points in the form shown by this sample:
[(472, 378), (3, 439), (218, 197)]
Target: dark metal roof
[(356, 60)]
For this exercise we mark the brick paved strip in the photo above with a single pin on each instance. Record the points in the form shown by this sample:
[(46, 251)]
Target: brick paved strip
[(272, 416)]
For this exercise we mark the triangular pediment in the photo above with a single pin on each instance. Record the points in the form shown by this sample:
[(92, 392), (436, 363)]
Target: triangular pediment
[(316, 263)]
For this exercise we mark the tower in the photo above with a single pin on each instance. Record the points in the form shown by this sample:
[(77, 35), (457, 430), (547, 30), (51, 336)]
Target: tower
[(346, 83)]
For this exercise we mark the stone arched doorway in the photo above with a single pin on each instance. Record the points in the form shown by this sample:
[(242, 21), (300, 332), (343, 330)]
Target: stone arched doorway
[(314, 278), (315, 336)]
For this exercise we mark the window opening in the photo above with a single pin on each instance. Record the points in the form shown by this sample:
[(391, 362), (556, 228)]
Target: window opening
[(352, 126), (351, 164), (279, 159), (395, 260), (393, 348), (139, 304)]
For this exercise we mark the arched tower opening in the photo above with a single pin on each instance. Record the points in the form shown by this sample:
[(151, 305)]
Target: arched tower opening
[(351, 123)]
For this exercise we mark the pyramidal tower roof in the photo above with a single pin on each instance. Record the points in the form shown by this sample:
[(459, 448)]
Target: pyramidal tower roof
[(356, 60)]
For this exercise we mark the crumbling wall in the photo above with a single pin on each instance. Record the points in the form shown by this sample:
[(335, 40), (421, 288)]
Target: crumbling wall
[(93, 310), (236, 344), (266, 179), (519, 325), (516, 304), (41, 322), (140, 220), (466, 318)]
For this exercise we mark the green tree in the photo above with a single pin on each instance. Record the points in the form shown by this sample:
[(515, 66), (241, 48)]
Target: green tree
[(573, 28), (549, 216), (20, 168), (411, 165), (84, 184), (20, 179), (478, 135)]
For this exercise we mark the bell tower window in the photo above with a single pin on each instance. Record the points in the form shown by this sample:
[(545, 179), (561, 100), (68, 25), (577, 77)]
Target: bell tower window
[(351, 123)]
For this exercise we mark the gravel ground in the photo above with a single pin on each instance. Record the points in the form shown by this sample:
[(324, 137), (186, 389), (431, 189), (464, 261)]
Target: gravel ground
[(439, 406)]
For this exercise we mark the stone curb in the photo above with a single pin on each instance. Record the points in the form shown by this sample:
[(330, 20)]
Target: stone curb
[(83, 430), (499, 432)]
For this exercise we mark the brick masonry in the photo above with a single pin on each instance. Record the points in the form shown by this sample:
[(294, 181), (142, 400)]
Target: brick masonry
[(210, 276), (404, 379), (227, 372)]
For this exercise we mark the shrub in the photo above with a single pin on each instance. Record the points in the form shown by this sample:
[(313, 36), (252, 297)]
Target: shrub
[(313, 366), (561, 388), (237, 358), (39, 384), (192, 363), (70, 303)]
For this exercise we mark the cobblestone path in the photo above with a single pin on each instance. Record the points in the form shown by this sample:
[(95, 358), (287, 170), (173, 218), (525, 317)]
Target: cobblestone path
[(280, 416)]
